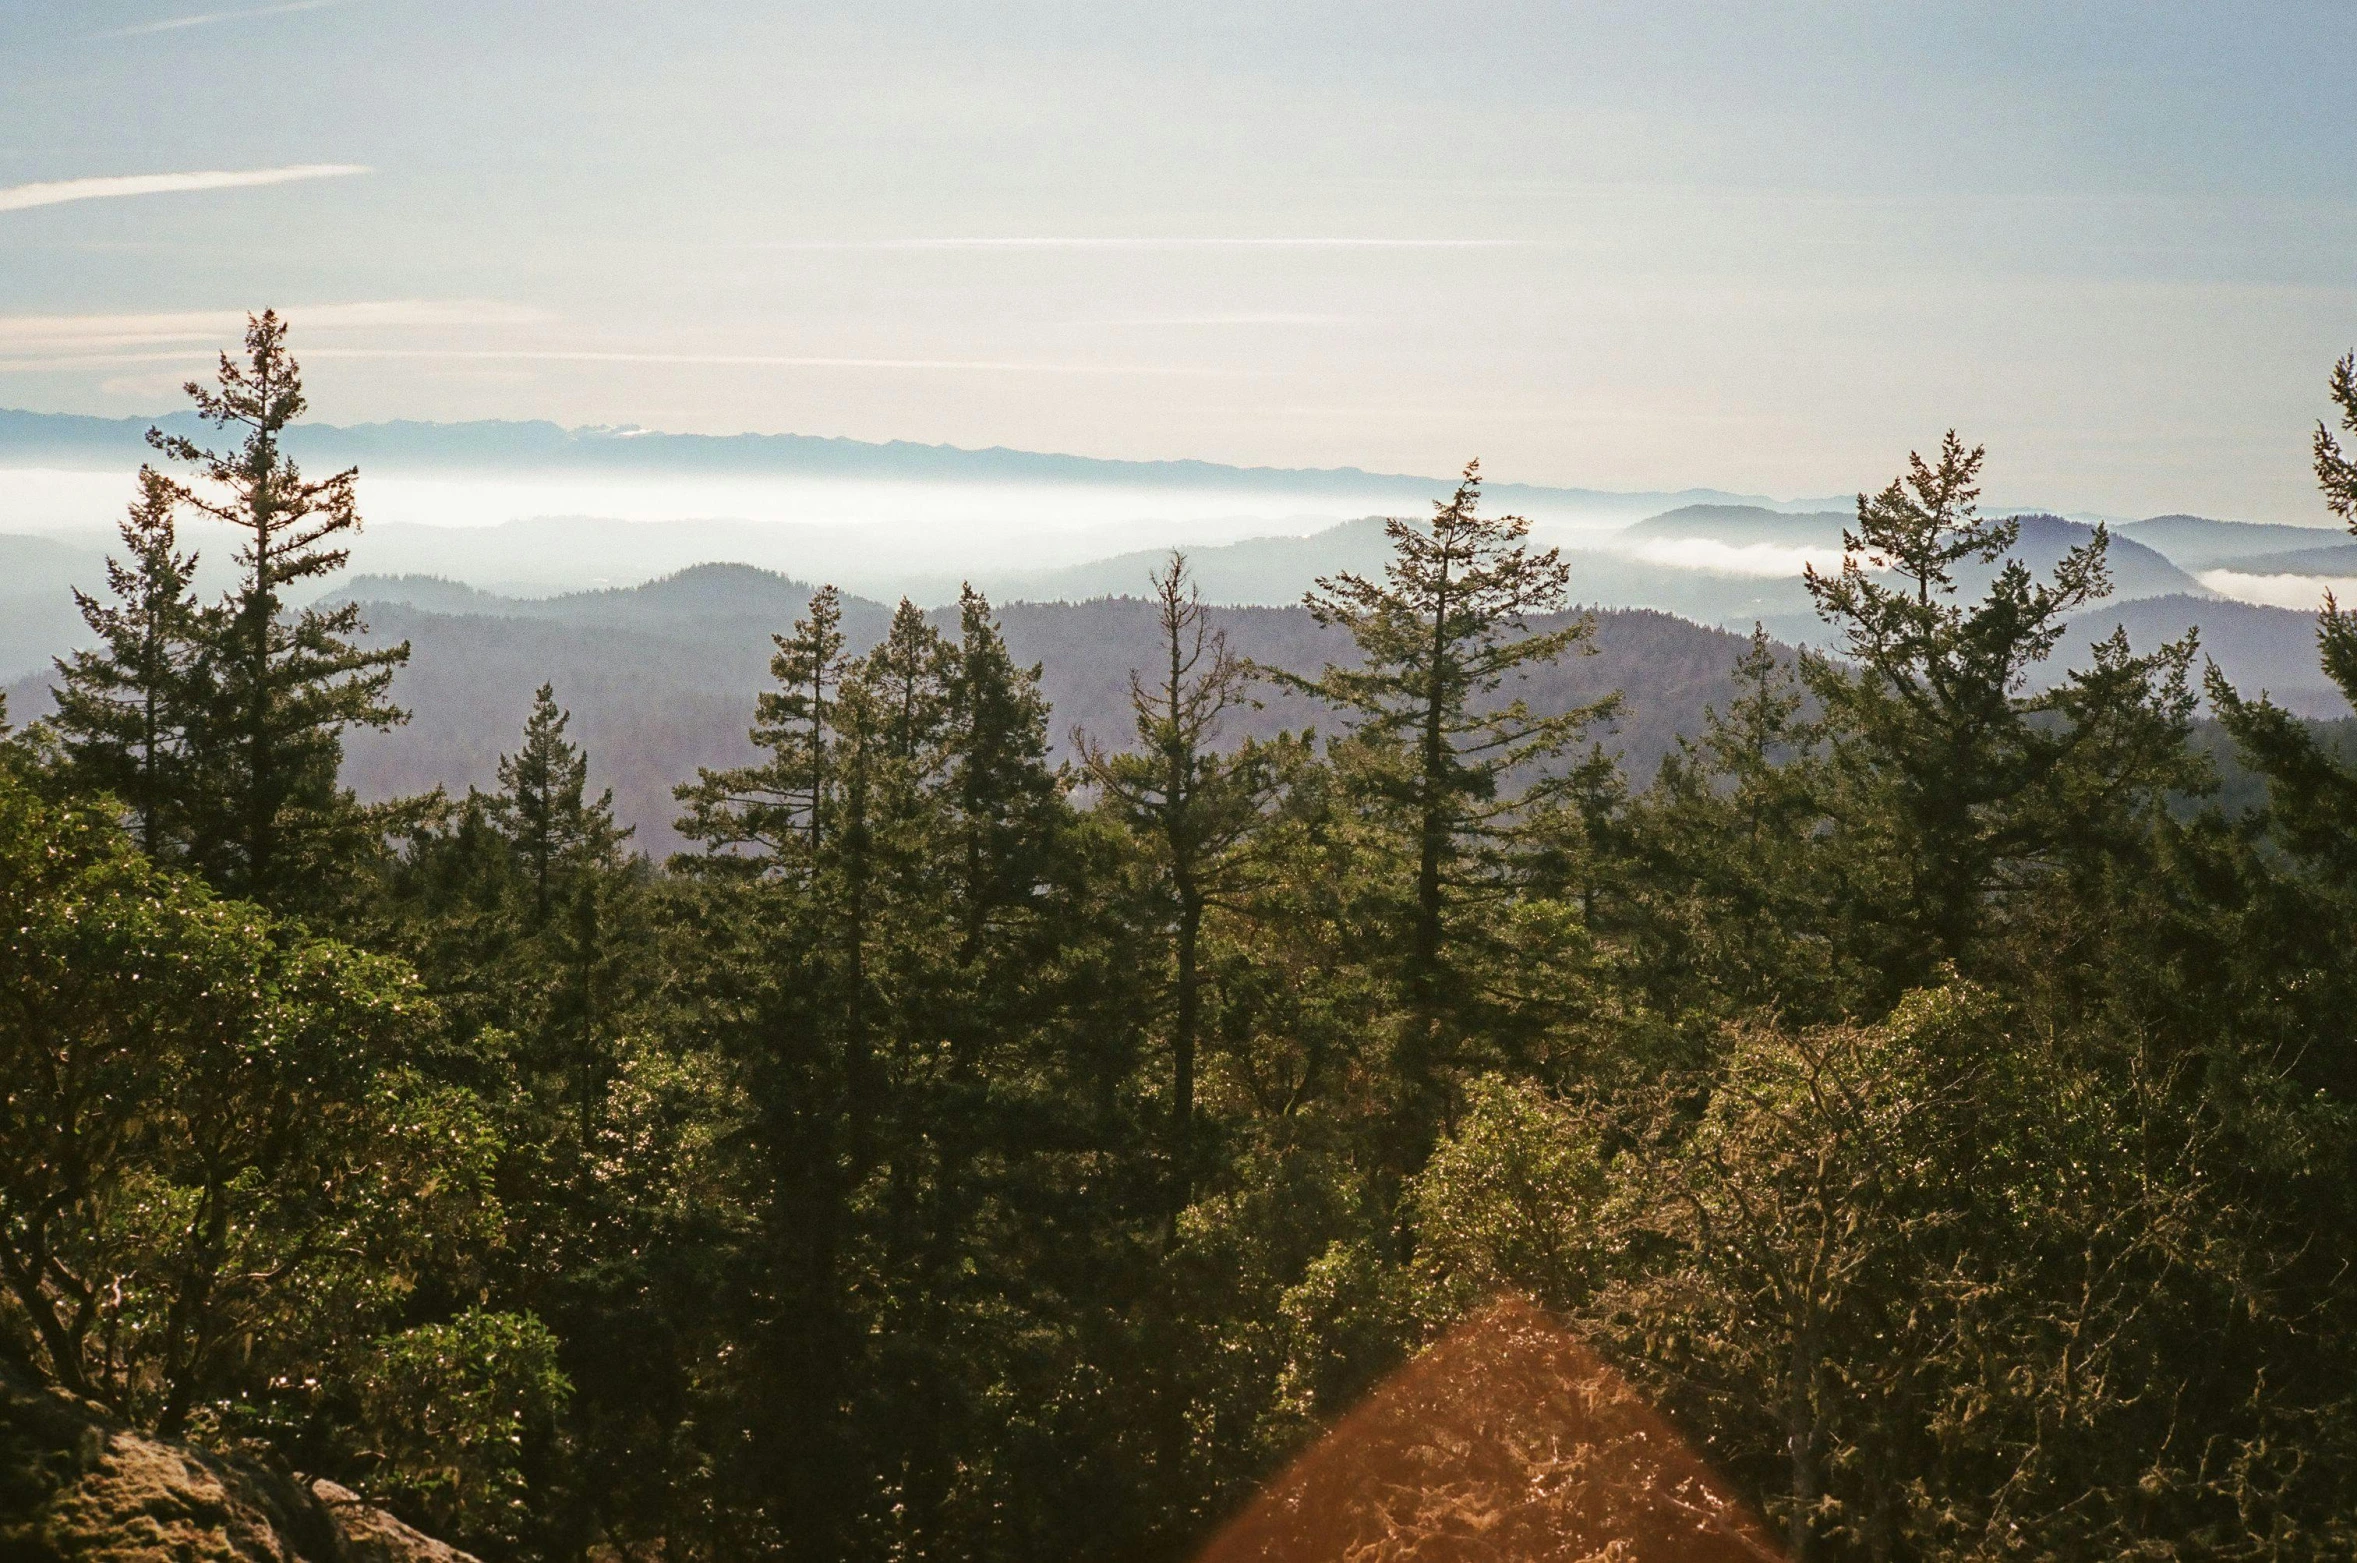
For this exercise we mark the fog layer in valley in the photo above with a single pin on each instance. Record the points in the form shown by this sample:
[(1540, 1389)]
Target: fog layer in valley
[(645, 574)]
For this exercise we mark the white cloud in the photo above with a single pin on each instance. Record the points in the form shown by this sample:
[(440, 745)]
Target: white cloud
[(1273, 319), (82, 336), (474, 356), (761, 360), (206, 19), (1760, 559), (16, 198), (2280, 591)]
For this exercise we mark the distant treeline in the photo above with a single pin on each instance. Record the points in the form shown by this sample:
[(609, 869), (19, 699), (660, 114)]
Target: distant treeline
[(1927, 1085)]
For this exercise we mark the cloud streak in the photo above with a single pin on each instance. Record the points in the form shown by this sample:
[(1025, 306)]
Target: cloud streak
[(177, 23), (223, 327), (87, 358), (757, 360), (17, 198), (1144, 243)]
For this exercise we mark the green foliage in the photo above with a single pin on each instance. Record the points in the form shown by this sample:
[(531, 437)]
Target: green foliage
[(780, 807), (220, 727), (1963, 785), (1464, 775), (450, 1410), (1192, 811), (127, 705), (1509, 1202), (2311, 791), (213, 1164), (543, 808)]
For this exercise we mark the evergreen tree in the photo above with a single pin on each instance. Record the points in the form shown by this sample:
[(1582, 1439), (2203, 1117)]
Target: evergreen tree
[(1001, 818), (1728, 887), (568, 847), (123, 705), (274, 689), (543, 808), (1193, 808), (1461, 769), (2312, 792), (2311, 810), (1004, 797), (1957, 785), (776, 811)]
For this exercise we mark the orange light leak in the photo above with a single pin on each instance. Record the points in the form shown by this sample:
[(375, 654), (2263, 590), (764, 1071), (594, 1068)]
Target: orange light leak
[(1507, 1442)]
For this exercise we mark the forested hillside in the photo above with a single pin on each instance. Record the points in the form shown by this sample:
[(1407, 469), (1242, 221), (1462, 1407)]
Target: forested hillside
[(662, 679), (976, 1142)]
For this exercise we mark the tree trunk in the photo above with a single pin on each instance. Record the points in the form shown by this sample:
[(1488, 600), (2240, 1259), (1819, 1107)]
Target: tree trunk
[(1182, 1044), (1800, 1441)]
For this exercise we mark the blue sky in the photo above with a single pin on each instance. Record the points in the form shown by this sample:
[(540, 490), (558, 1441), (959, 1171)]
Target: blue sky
[(1636, 246)]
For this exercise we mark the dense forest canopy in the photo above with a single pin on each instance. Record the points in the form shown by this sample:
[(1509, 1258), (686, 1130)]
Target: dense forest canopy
[(1924, 1089)]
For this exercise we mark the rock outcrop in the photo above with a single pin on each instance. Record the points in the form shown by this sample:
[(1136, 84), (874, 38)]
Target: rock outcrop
[(78, 1487)]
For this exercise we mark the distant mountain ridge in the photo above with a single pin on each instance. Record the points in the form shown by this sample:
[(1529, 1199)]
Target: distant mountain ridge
[(2258, 648), (2197, 542), (539, 447), (662, 678), (2338, 559), (1742, 524)]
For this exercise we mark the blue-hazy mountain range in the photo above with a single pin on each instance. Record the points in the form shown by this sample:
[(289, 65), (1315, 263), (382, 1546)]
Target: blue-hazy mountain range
[(70, 440)]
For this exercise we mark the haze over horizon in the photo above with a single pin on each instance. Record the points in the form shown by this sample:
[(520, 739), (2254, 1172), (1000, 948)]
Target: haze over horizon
[(1613, 249)]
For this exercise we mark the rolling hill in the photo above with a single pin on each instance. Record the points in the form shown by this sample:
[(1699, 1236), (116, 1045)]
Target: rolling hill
[(2198, 543), (2257, 648), (2339, 559), (661, 678)]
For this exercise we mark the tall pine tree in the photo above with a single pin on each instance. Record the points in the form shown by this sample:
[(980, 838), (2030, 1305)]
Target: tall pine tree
[(775, 812), (1958, 783), (274, 689), (543, 807), (124, 705), (1192, 807), (1462, 769)]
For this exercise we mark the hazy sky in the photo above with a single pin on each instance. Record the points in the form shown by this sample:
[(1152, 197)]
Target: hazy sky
[(1632, 246)]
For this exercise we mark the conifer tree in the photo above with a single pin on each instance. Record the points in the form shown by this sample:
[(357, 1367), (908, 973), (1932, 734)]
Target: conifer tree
[(543, 807), (1439, 637), (2312, 792), (123, 705), (883, 879), (1727, 878), (2311, 810), (274, 689), (1003, 793), (1958, 780), (776, 810), (1192, 807)]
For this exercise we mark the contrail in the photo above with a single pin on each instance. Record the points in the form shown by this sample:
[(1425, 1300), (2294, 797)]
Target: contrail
[(176, 23), (16, 198)]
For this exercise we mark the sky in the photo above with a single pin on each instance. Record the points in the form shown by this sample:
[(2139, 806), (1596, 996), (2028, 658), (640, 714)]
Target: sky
[(1633, 246)]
